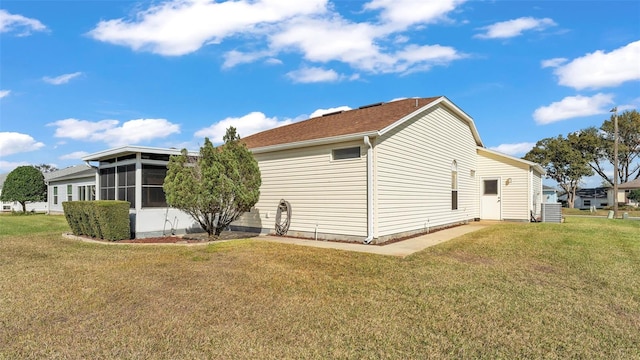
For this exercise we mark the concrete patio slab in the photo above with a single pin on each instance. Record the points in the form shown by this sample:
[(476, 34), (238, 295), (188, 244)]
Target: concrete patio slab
[(401, 248)]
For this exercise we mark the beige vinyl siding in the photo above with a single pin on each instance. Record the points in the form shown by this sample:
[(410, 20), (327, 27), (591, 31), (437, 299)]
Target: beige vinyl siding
[(329, 194), (413, 174), (515, 196)]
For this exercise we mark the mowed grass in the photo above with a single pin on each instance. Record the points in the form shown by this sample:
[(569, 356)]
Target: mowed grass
[(11, 224), (567, 290)]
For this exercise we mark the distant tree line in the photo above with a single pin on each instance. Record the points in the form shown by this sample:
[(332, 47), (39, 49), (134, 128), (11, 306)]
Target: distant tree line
[(590, 151)]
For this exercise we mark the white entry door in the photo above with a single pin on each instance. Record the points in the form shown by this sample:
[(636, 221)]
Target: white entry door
[(490, 206)]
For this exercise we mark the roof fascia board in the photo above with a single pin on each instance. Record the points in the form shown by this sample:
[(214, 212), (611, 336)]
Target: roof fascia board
[(132, 149), (314, 142), (450, 105), (539, 168)]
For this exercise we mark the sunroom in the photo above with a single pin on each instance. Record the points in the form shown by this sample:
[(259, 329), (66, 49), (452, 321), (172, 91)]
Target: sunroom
[(136, 174)]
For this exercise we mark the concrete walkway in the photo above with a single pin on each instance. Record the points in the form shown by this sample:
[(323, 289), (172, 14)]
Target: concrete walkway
[(401, 248)]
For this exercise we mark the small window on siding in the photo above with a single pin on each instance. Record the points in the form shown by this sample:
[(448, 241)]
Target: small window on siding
[(454, 185), (69, 192), (55, 195), (347, 153)]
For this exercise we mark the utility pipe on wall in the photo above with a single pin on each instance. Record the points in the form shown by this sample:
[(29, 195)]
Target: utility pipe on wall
[(369, 238)]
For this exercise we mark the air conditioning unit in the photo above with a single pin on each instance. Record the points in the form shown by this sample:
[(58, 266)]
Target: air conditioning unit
[(551, 212)]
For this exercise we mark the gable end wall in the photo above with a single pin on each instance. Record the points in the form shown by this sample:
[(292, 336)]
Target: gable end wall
[(413, 174)]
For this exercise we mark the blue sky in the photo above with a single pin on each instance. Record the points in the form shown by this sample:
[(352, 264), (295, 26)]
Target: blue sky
[(78, 77)]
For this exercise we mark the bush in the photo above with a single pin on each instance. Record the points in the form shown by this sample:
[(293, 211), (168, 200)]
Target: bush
[(104, 219), (72, 210), (112, 219)]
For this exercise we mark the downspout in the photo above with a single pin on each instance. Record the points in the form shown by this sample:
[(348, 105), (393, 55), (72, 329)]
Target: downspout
[(532, 192), (369, 190), (46, 183)]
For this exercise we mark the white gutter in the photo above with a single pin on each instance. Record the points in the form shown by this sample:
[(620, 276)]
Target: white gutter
[(369, 190)]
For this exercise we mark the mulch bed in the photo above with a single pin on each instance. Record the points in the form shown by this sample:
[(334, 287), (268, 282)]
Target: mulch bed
[(160, 240)]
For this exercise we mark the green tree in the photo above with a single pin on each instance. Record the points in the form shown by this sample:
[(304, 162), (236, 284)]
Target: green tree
[(24, 184), (45, 168), (597, 145), (563, 163), (218, 186), (634, 195)]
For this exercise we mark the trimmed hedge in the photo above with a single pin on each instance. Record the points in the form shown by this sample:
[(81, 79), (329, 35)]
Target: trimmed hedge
[(102, 219)]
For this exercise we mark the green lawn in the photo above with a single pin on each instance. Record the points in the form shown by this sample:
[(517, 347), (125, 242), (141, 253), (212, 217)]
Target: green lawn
[(510, 291)]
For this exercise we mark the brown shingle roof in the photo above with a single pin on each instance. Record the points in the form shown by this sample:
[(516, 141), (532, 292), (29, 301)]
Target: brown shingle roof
[(362, 120), (633, 184)]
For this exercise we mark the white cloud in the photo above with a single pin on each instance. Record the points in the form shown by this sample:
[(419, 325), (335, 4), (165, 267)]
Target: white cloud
[(273, 61), (246, 125), (634, 104), (180, 27), (516, 149), (7, 166), (76, 155), (62, 79), (10, 22), (13, 143), (403, 13), (513, 28), (234, 57), (81, 129), (320, 112), (401, 39), (324, 40), (418, 58), (553, 63), (356, 44), (573, 106), (129, 133), (600, 69), (313, 75), (4, 93), (311, 28)]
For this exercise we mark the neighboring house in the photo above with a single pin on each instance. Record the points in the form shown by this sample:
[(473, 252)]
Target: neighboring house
[(70, 184), (136, 174), (386, 171), (589, 197), (549, 194), (39, 206), (623, 192)]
